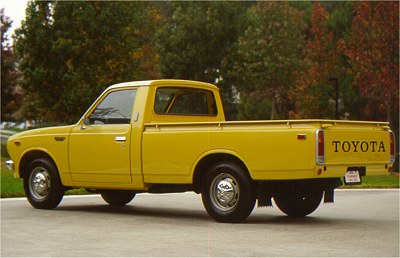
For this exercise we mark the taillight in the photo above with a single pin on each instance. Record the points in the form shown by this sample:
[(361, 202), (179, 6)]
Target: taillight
[(392, 147), (320, 147)]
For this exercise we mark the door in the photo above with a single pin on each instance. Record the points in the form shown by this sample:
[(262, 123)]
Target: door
[(99, 148)]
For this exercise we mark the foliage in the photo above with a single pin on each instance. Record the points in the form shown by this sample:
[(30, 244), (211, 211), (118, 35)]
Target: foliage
[(315, 86), (339, 22), (340, 19), (5, 26), (269, 56), (4, 152), (374, 54), (197, 40), (68, 55), (10, 93)]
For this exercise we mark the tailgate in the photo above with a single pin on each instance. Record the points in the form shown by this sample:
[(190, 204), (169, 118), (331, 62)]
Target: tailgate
[(363, 144)]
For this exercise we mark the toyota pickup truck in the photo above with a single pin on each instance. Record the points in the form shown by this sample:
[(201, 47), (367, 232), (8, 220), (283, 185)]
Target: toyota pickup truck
[(167, 136)]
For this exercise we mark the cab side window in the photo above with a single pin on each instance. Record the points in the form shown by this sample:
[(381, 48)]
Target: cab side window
[(115, 108), (185, 101)]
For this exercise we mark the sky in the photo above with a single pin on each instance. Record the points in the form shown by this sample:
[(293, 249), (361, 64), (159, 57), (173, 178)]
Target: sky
[(15, 9)]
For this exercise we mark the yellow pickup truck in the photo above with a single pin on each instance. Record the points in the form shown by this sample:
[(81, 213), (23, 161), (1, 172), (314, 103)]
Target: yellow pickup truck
[(166, 136)]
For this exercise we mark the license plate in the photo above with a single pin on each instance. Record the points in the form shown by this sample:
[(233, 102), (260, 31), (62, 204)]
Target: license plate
[(352, 177)]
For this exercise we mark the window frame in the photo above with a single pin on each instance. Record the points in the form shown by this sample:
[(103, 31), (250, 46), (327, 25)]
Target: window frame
[(102, 98), (210, 97)]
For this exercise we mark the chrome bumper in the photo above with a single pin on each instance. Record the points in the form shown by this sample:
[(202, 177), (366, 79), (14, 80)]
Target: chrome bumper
[(10, 165)]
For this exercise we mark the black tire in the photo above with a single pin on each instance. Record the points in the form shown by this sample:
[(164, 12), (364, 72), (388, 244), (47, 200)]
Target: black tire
[(42, 184), (117, 197), (228, 193), (298, 202)]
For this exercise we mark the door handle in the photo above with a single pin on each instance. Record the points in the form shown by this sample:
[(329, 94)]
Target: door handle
[(120, 138)]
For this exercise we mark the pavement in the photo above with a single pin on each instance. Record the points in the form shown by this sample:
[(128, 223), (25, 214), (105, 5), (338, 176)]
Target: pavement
[(361, 223)]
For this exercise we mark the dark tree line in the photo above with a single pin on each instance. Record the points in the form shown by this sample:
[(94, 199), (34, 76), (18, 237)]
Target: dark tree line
[(10, 93), (272, 60)]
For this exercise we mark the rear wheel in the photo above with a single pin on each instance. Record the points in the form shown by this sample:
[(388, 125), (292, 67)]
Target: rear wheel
[(228, 193), (298, 202), (117, 197), (42, 184)]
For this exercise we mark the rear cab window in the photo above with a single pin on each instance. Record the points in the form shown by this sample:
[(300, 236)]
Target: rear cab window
[(185, 101)]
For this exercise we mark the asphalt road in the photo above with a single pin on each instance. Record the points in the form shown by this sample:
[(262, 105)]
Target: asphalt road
[(361, 223)]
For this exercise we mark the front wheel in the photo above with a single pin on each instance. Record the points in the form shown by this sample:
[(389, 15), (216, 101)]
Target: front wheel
[(42, 184), (116, 197), (298, 202), (228, 194)]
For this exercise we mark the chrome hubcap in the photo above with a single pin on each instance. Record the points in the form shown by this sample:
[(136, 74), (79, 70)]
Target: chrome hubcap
[(224, 192), (39, 183)]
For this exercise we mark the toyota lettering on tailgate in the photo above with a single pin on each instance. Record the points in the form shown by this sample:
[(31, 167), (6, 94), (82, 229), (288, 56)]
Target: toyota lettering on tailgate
[(358, 146)]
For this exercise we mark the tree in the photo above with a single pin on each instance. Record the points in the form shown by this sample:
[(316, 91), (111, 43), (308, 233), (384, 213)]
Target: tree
[(374, 53), (195, 39), (198, 39), (339, 22), (268, 60), (32, 45), (340, 19), (10, 95), (316, 84), (70, 51)]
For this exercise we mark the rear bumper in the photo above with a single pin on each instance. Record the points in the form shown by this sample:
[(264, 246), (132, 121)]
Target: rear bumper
[(370, 169), (10, 165)]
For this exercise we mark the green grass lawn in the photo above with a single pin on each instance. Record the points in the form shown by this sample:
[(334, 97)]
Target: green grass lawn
[(389, 181), (11, 187)]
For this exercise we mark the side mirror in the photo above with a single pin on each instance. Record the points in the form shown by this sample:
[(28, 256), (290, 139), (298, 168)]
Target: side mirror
[(86, 122)]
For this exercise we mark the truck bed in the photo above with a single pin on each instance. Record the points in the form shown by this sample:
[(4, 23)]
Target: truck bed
[(271, 150)]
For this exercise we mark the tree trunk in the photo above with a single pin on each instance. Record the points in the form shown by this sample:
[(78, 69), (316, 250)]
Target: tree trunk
[(274, 113)]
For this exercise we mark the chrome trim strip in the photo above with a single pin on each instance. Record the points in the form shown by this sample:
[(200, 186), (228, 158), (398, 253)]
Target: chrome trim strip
[(320, 160), (392, 158)]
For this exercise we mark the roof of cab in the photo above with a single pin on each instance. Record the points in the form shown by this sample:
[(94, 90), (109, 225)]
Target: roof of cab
[(165, 82)]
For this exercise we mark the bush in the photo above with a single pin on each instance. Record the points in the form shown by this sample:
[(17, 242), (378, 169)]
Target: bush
[(4, 152)]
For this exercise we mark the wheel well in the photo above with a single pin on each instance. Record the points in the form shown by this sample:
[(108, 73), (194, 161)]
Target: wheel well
[(29, 157), (210, 160)]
